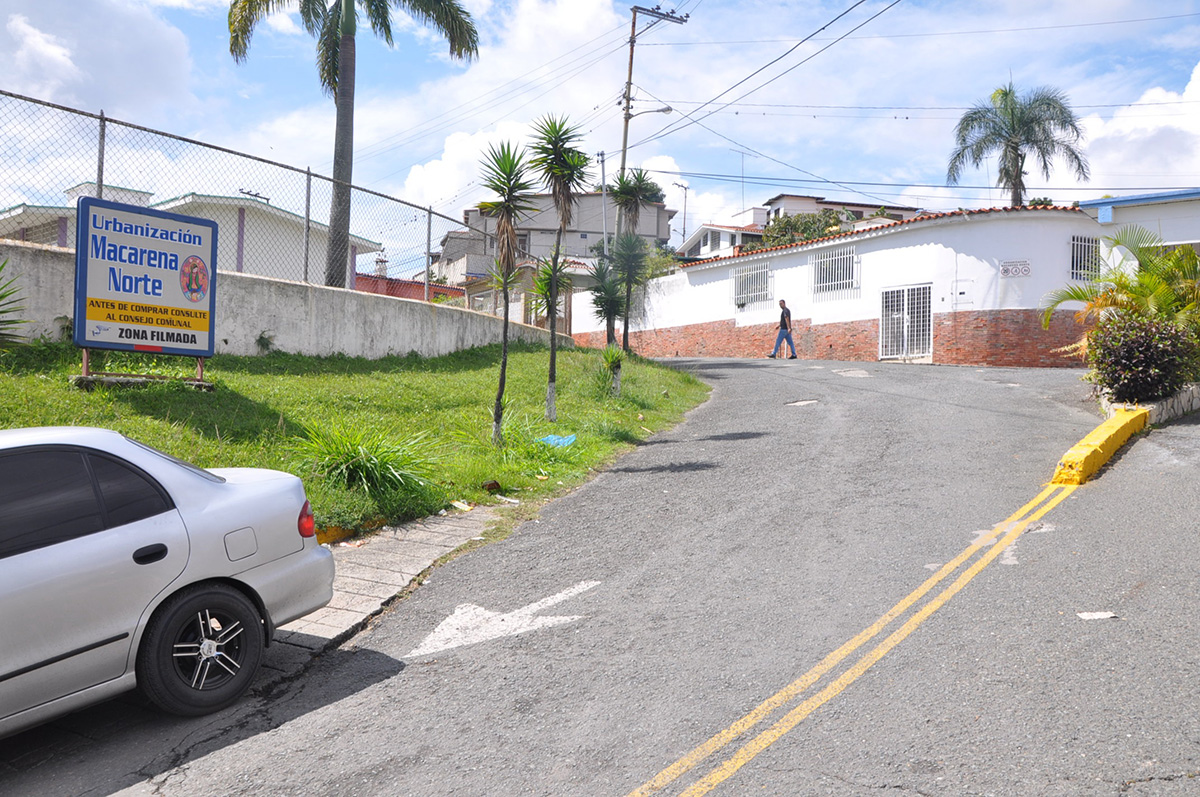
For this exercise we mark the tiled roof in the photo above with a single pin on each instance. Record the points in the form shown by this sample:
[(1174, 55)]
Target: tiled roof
[(892, 226)]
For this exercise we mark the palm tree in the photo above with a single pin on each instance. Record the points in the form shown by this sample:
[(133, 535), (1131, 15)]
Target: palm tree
[(563, 169), (1039, 122), (505, 174), (629, 261), (629, 193), (607, 298), (1162, 283), (334, 27)]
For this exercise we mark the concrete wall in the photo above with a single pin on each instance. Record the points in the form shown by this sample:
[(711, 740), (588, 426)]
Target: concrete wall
[(1174, 222), (299, 318)]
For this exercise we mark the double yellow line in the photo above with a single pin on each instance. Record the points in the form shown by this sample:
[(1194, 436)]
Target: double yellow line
[(999, 538)]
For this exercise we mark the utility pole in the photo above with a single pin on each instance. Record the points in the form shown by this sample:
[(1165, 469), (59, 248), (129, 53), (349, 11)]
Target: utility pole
[(667, 16), (685, 190)]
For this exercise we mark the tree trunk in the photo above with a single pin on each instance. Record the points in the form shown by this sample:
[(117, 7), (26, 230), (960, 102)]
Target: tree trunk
[(498, 413), (616, 380), (611, 330), (628, 307), (552, 314), (338, 253)]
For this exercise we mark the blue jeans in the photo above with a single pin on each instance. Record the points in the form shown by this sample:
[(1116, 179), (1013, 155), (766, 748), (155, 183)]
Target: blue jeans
[(784, 334)]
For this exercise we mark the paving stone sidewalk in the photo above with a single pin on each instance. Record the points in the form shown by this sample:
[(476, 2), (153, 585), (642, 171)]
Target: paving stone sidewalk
[(371, 570)]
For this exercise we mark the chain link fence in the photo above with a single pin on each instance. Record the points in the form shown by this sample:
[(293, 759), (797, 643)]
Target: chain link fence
[(273, 218)]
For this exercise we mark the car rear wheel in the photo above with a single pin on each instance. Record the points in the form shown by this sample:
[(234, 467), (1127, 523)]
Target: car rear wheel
[(201, 650)]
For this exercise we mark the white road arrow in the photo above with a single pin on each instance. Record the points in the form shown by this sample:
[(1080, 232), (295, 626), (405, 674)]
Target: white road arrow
[(470, 623)]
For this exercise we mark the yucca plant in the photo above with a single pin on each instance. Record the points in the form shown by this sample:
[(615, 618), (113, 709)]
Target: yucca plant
[(505, 174), (614, 356), (372, 460), (10, 306)]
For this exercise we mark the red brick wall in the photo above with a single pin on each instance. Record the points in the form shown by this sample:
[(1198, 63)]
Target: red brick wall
[(1004, 337), (991, 337)]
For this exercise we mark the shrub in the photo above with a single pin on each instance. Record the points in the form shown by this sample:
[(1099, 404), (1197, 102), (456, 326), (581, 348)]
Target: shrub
[(1141, 359), (395, 473), (10, 305)]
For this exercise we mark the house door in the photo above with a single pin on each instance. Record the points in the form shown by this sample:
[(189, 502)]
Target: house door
[(906, 323)]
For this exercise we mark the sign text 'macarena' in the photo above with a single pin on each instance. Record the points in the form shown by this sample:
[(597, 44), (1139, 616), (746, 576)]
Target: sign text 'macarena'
[(101, 249)]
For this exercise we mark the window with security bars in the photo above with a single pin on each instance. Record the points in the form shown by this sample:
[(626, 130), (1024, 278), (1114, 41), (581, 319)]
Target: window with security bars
[(1085, 257), (835, 274), (752, 286)]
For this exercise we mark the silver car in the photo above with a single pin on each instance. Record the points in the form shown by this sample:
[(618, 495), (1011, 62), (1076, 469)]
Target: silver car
[(121, 566)]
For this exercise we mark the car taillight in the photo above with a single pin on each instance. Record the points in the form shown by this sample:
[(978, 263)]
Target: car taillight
[(307, 524)]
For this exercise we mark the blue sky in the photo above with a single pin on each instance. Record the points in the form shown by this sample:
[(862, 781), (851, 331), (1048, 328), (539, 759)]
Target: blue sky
[(873, 113)]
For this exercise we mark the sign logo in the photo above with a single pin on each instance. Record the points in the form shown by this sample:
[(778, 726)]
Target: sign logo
[(193, 277)]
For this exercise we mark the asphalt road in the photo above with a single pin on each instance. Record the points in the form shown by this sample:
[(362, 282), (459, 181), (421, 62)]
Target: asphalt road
[(708, 576)]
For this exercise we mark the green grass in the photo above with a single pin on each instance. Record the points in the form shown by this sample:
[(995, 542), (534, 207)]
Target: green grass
[(262, 406)]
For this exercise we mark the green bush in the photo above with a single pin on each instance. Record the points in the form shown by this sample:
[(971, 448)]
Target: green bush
[(10, 306), (395, 473), (1141, 359)]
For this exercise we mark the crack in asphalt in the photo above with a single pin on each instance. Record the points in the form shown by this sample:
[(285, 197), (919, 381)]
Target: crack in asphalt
[(1126, 785)]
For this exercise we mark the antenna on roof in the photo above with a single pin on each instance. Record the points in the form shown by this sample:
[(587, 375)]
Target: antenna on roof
[(266, 199)]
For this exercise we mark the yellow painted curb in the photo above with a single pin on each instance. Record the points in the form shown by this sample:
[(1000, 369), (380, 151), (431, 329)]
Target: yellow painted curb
[(1092, 452)]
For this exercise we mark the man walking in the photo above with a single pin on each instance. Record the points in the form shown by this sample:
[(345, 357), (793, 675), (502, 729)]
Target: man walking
[(785, 331)]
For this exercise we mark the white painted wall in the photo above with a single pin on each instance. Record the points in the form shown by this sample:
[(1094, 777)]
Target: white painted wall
[(299, 318), (1173, 222), (960, 254)]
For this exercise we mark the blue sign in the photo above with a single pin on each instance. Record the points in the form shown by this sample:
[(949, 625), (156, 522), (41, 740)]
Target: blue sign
[(145, 280)]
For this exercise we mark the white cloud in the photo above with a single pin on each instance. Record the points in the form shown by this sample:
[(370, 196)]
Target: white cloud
[(285, 23), (42, 63)]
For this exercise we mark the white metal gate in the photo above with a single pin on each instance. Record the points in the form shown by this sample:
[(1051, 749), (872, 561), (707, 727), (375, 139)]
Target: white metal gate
[(906, 323)]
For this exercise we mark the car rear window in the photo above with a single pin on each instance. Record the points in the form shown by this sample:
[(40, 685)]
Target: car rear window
[(196, 469), (128, 495)]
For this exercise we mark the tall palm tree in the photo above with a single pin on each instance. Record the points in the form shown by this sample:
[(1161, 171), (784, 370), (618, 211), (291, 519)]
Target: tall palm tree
[(1038, 122), (629, 261), (334, 24), (607, 298), (563, 169), (505, 174)]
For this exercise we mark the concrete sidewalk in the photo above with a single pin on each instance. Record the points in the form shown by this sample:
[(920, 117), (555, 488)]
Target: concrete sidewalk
[(371, 570)]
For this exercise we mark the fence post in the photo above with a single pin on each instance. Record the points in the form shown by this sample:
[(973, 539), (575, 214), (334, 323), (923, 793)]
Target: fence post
[(428, 248), (307, 216), (100, 160)]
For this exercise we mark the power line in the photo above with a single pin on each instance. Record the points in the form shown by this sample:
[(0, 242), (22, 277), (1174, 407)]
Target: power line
[(690, 120), (936, 33), (910, 107)]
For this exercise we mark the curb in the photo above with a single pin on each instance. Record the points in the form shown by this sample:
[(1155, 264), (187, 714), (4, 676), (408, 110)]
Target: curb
[(1091, 453)]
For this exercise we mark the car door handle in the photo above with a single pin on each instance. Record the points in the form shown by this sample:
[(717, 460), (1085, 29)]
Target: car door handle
[(150, 553)]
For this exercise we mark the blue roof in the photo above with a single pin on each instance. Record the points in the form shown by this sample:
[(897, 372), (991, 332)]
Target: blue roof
[(1143, 199)]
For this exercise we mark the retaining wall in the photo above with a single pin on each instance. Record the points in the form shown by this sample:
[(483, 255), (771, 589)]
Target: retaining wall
[(295, 317)]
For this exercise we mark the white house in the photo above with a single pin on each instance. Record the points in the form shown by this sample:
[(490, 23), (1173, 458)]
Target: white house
[(1172, 215), (957, 287), (724, 240)]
